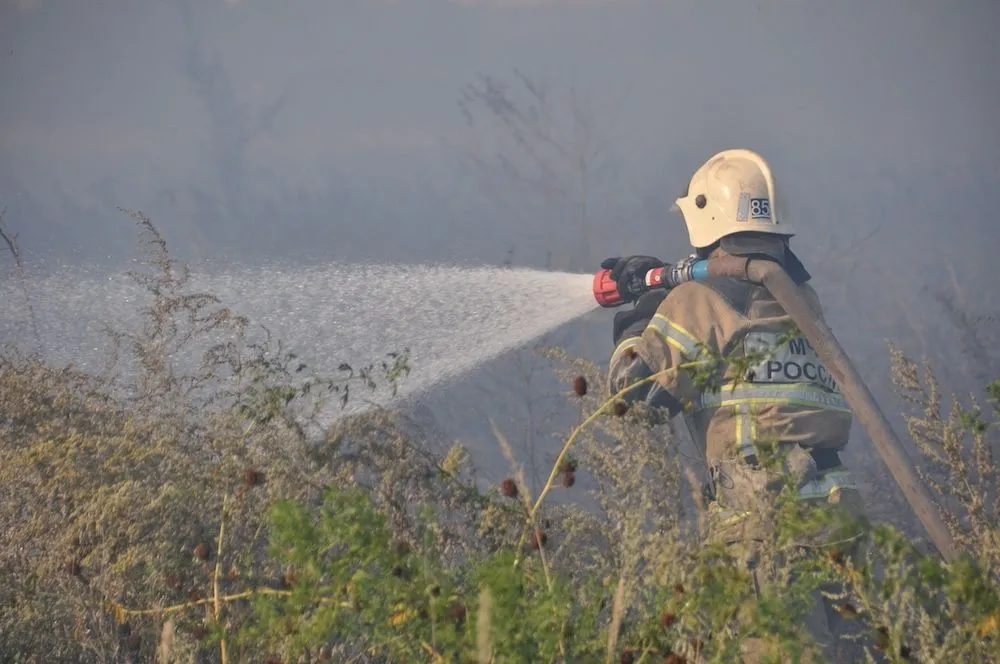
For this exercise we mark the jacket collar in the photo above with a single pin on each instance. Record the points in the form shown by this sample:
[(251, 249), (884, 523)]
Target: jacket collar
[(759, 245)]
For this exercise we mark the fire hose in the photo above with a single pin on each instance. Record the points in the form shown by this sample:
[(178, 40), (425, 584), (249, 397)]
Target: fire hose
[(773, 277)]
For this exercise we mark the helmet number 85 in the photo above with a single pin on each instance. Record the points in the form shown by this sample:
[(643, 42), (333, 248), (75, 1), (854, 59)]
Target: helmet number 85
[(760, 208)]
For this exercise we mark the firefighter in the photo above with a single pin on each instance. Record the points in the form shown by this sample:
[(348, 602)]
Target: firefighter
[(770, 385)]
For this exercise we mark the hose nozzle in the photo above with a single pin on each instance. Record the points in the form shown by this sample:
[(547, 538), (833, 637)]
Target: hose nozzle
[(606, 290)]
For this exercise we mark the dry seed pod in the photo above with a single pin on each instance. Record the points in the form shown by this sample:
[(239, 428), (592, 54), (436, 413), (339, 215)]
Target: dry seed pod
[(509, 488), (620, 408), (580, 386), (252, 478)]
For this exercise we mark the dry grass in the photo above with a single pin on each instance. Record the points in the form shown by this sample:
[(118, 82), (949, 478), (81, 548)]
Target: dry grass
[(138, 520), (110, 484)]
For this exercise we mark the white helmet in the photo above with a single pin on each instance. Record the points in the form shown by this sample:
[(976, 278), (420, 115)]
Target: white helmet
[(733, 192)]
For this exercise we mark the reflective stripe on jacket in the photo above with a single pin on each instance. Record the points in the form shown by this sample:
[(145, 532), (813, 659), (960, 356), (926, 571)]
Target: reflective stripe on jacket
[(770, 385)]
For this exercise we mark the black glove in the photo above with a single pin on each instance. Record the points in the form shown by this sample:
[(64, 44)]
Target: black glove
[(632, 322), (629, 274)]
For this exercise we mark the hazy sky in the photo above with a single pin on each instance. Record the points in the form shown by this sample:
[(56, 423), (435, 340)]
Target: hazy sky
[(861, 106)]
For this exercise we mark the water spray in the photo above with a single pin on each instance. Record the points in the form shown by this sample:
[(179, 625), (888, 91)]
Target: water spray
[(452, 319)]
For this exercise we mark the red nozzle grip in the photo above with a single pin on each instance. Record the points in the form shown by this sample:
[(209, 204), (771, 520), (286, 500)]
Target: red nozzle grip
[(606, 290)]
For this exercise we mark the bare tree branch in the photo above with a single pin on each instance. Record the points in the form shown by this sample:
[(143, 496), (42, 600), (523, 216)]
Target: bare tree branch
[(540, 143), (22, 276), (234, 125)]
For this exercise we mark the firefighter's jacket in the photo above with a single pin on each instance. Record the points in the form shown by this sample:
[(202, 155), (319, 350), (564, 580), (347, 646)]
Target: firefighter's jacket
[(703, 336)]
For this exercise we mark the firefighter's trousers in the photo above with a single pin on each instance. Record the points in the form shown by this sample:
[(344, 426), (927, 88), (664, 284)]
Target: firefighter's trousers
[(741, 496)]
